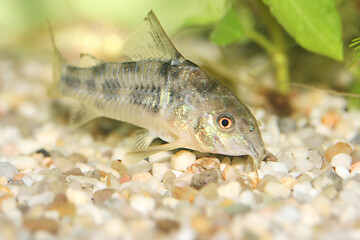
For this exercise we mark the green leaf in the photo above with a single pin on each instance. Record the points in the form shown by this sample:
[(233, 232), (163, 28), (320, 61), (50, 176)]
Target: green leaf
[(315, 24), (356, 48), (228, 29), (203, 12), (199, 20)]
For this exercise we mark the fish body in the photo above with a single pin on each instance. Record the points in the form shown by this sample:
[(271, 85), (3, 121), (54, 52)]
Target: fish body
[(161, 91)]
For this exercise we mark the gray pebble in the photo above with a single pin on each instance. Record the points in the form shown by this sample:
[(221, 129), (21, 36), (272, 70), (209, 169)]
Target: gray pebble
[(356, 178), (314, 140), (338, 181), (286, 125), (201, 179), (7, 170), (93, 174), (316, 157), (356, 139)]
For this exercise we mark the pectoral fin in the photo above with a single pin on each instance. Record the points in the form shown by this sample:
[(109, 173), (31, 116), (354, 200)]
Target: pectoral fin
[(137, 155), (143, 139)]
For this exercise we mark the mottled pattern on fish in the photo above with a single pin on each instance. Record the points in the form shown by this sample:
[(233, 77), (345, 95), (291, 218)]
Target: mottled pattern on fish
[(132, 91)]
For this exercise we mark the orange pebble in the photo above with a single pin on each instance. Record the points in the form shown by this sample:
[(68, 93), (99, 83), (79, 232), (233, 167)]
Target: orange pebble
[(141, 177), (124, 178), (354, 165), (330, 119), (18, 176), (339, 147)]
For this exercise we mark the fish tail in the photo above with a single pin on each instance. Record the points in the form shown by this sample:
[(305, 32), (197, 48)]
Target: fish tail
[(57, 62)]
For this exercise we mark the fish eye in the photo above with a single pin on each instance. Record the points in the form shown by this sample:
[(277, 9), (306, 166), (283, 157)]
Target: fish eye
[(225, 121)]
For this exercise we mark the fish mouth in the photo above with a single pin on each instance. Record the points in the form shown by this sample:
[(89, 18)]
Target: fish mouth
[(256, 151), (258, 154)]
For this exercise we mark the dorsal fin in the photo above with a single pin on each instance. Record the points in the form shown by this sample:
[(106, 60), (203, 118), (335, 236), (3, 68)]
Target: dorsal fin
[(86, 59), (150, 41)]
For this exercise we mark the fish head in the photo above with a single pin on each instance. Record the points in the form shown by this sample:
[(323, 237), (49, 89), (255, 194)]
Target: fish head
[(228, 128)]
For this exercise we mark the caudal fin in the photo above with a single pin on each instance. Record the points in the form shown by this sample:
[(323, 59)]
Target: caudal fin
[(57, 62)]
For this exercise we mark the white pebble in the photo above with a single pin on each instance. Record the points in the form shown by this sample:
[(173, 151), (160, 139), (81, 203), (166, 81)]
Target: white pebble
[(288, 214), (230, 173), (287, 158), (279, 167), (140, 167), (184, 180), (316, 157), (177, 173), (267, 169), (14, 215), (341, 159), (159, 169), (342, 171), (106, 169), (44, 198), (7, 170), (93, 212), (302, 187), (226, 161), (276, 189), (247, 198), (230, 190), (78, 197), (27, 180), (181, 160), (35, 177), (303, 164), (116, 228), (170, 202), (238, 163), (84, 167), (85, 181), (304, 191), (272, 135), (156, 186), (28, 110), (22, 162), (142, 203), (52, 215), (8, 204), (349, 215), (300, 152), (295, 173), (310, 215)]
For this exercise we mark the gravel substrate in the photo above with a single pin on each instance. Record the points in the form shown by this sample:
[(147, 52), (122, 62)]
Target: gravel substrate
[(62, 183)]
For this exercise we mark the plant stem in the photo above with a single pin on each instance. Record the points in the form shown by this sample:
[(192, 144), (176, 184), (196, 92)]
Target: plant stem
[(275, 48), (260, 39), (282, 71), (279, 55)]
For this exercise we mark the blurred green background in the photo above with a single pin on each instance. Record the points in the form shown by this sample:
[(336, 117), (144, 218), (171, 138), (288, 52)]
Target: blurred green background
[(22, 22), (100, 27)]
